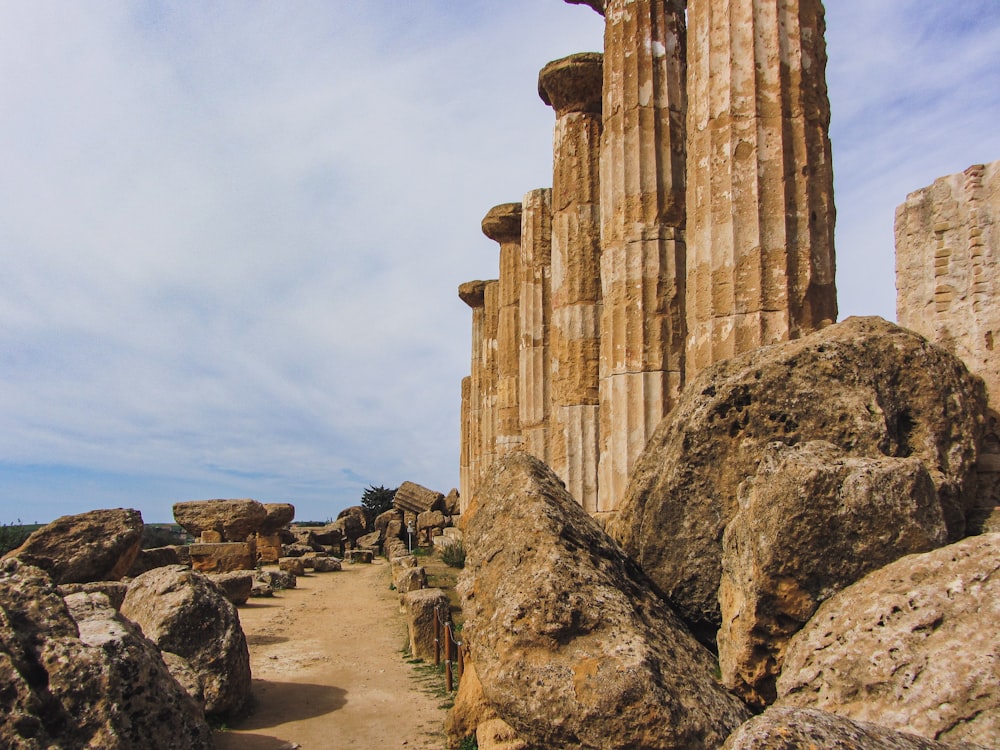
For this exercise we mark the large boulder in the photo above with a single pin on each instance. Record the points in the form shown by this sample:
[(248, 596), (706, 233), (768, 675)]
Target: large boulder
[(183, 612), (353, 523), (414, 498), (100, 545), (232, 520), (157, 557), (72, 686), (810, 522), (808, 728), (571, 644), (912, 646), (424, 607), (279, 515), (867, 386)]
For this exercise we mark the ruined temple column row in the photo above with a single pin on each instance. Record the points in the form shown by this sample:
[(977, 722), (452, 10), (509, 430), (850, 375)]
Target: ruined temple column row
[(760, 264), (573, 87), (477, 437), (503, 225), (642, 218)]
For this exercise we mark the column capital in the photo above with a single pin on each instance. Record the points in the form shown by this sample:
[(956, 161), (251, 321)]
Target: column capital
[(573, 84), (597, 5), (473, 293), (503, 223)]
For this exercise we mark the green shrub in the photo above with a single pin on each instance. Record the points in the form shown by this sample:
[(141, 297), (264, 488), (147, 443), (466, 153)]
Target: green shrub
[(12, 535), (454, 555), (469, 743)]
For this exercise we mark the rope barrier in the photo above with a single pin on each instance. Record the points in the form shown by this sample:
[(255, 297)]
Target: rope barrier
[(444, 631)]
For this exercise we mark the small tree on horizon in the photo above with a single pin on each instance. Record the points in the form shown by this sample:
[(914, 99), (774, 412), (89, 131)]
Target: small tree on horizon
[(376, 501)]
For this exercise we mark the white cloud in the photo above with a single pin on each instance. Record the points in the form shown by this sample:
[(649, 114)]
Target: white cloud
[(232, 232)]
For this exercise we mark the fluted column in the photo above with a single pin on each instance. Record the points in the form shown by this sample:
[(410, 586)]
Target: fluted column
[(573, 87), (464, 447), (503, 225), (489, 389), (535, 321), (642, 216), (472, 293), (760, 179)]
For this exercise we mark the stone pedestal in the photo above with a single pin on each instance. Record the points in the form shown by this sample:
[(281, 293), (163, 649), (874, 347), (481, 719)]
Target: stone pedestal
[(535, 313), (760, 213), (503, 225), (642, 215), (948, 285), (573, 87)]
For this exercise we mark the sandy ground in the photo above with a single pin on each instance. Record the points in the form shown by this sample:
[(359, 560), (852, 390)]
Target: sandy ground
[(329, 669)]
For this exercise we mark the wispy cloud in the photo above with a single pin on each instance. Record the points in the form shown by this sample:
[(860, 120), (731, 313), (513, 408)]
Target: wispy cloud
[(232, 232)]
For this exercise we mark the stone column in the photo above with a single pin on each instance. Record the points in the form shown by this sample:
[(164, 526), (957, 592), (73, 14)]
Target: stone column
[(464, 439), (489, 388), (642, 215), (760, 264), (535, 314), (948, 284), (472, 293), (573, 86), (503, 225)]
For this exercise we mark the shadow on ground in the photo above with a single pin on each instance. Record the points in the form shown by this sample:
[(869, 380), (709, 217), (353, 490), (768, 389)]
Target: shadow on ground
[(276, 703)]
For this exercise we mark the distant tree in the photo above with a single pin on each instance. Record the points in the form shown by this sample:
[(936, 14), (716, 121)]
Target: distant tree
[(376, 501)]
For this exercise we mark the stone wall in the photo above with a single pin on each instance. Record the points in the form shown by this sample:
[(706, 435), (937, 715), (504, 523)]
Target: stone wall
[(948, 284)]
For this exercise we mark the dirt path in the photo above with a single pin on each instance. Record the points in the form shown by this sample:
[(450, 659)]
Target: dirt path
[(329, 671)]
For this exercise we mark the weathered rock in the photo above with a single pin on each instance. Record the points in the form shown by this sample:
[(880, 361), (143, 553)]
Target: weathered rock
[(72, 686), (497, 734), (233, 520), (573, 647), (269, 547), (430, 524), (183, 612), (296, 550), (277, 579), (235, 585), (114, 590), (811, 521), (261, 590), (912, 646), (100, 545), (370, 541), (469, 710), (223, 557), (865, 385), (326, 564), (353, 523), (382, 520), (400, 564), (396, 548), (452, 503), (414, 498), (186, 676), (359, 556), (293, 565), (278, 516), (809, 728), (422, 607), (157, 557), (411, 579), (327, 535)]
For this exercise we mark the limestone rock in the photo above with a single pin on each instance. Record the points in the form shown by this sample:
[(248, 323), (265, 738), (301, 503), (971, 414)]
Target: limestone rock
[(429, 524), (571, 644), (370, 541), (157, 557), (326, 564), (353, 523), (810, 522), (414, 498), (114, 590), (330, 534), (223, 557), (421, 608), (186, 676), (183, 612), (279, 515), (808, 728), (865, 385), (235, 585), (497, 734), (100, 545), (912, 646), (452, 503), (296, 550), (359, 556), (261, 590), (233, 520), (293, 565), (411, 579), (277, 579), (96, 684)]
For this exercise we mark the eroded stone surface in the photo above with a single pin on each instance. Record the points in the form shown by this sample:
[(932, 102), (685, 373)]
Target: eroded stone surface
[(912, 646), (811, 521), (865, 385), (99, 545), (233, 520), (571, 645), (183, 612)]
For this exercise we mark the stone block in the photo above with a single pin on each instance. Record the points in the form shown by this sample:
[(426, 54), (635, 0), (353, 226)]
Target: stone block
[(223, 557)]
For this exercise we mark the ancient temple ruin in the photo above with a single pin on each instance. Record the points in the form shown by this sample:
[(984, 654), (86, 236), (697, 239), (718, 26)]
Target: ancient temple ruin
[(948, 283), (675, 234)]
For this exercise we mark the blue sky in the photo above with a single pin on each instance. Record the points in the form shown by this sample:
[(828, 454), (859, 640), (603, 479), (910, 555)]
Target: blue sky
[(231, 233)]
